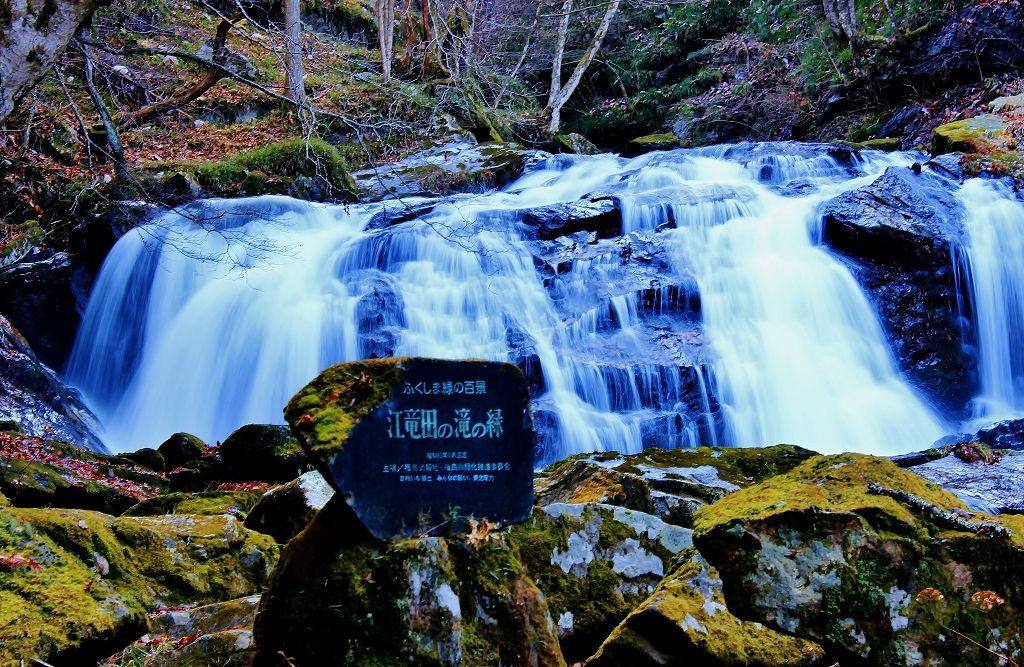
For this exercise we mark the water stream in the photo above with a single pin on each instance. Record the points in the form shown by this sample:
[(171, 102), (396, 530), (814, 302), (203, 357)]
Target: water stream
[(715, 318)]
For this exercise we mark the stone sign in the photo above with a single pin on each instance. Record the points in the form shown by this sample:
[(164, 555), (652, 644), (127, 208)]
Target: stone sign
[(435, 439)]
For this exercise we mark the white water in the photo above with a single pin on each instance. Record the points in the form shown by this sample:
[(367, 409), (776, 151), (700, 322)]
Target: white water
[(992, 262), (269, 292)]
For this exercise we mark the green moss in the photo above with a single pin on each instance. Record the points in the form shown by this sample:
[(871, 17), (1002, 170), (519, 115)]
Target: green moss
[(685, 620), (235, 503), (324, 411), (92, 586), (887, 144), (981, 134), (274, 169)]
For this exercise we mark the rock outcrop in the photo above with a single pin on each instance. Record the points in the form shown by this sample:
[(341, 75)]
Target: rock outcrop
[(898, 233), (77, 583), (874, 563)]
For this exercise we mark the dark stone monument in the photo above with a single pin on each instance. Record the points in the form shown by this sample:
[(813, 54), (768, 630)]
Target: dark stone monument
[(413, 442)]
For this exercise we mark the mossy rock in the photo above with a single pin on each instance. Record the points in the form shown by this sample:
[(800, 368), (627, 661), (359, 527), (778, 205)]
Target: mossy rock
[(427, 601), (887, 144), (215, 634), (670, 483), (321, 421), (96, 481), (313, 169), (595, 563), (651, 142), (686, 622), (987, 133), (147, 457), (871, 561), (575, 143), (235, 503), (261, 452), (181, 448), (94, 577), (284, 511)]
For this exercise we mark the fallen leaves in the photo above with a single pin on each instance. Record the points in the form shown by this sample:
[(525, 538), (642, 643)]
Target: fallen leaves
[(17, 562)]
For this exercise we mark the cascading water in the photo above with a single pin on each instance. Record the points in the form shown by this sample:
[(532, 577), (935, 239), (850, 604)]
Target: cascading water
[(992, 261), (716, 318)]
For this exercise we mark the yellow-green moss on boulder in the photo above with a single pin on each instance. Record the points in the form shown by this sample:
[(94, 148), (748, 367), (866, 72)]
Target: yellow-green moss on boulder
[(92, 577), (235, 503), (982, 134), (873, 562), (685, 622), (672, 484)]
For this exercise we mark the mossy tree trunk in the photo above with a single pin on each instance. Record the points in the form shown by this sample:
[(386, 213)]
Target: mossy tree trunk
[(33, 36)]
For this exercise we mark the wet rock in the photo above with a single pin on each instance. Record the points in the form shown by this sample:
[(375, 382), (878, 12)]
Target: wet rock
[(458, 166), (992, 486), (215, 634), (432, 600), (897, 235), (594, 562), (380, 315), (602, 216), (1003, 435), (685, 621), (284, 511), (902, 122), (34, 398), (37, 296), (876, 564), (63, 609), (651, 142)]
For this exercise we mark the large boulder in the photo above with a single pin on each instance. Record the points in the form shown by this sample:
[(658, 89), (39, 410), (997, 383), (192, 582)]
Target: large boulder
[(600, 216), (338, 597), (685, 622), (234, 503), (457, 166), (261, 452), (34, 398), (595, 562), (876, 564), (897, 234), (78, 584)]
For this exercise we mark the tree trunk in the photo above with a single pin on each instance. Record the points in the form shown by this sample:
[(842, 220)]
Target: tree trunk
[(385, 10), (33, 35), (562, 95), (294, 69), (556, 62)]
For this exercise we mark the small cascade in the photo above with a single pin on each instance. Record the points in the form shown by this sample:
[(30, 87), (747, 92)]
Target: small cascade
[(992, 266), (713, 319)]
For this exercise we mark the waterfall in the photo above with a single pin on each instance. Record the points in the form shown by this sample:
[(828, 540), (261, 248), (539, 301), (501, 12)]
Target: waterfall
[(992, 265), (714, 319)]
